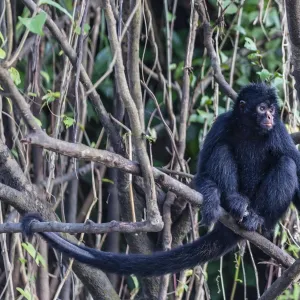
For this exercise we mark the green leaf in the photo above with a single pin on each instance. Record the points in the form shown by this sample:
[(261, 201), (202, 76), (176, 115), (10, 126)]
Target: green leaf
[(77, 29), (34, 254), (249, 44), (46, 76), (2, 54), (173, 67), (15, 76), (254, 56), (264, 74), (240, 29), (30, 249), (170, 17), (40, 260), (38, 121), (35, 24), (107, 180), (224, 57), (230, 9), (135, 281), (22, 260), (205, 100), (26, 294), (86, 28), (56, 5), (68, 121), (1, 37)]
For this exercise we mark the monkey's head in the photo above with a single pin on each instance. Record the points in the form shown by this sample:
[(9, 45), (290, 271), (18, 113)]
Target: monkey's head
[(257, 107)]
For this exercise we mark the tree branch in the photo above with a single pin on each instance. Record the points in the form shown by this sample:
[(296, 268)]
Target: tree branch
[(293, 20), (283, 282)]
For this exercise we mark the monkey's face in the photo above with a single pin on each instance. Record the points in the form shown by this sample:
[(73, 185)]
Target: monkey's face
[(258, 115), (265, 116)]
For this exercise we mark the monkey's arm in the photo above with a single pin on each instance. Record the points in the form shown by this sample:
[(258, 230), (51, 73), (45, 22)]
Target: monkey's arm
[(217, 178), (211, 246)]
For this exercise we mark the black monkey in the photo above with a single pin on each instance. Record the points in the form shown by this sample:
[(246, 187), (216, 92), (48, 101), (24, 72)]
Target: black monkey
[(248, 164)]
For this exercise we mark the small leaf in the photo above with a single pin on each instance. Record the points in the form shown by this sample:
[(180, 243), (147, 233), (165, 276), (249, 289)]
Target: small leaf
[(189, 272), (1, 38), (135, 281), (86, 28), (2, 54), (249, 44), (107, 180), (35, 24), (77, 30), (46, 76), (38, 121), (25, 293), (31, 94), (264, 74), (68, 121), (170, 17), (22, 260), (172, 67), (15, 76), (50, 2), (205, 100), (231, 9), (50, 97), (254, 56), (9, 104), (30, 249), (240, 29), (224, 57), (40, 260)]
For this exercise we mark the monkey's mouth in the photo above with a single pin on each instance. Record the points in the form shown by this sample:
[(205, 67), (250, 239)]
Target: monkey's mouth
[(269, 125)]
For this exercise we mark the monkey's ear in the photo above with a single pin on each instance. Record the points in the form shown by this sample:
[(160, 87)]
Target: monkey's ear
[(242, 105)]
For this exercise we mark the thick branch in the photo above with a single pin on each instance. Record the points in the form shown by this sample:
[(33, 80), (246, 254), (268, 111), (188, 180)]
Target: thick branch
[(293, 19), (72, 228), (111, 160)]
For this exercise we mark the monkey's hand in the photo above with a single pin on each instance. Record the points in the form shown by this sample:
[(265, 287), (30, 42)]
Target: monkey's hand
[(252, 221), (237, 205)]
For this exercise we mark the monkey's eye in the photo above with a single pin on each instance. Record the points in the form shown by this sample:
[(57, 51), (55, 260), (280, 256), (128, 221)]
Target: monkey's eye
[(262, 108), (272, 110)]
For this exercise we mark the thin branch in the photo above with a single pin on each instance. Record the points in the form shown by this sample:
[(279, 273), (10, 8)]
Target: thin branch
[(208, 43), (84, 78), (283, 282)]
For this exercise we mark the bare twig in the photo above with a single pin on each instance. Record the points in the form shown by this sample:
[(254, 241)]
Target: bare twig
[(282, 283)]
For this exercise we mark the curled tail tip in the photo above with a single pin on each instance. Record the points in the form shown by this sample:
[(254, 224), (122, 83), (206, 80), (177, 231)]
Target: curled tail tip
[(27, 221)]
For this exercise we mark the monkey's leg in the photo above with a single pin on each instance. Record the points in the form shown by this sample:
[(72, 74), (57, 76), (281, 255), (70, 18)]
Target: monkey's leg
[(275, 194)]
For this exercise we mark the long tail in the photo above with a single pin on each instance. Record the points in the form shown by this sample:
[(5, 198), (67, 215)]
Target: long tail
[(213, 245)]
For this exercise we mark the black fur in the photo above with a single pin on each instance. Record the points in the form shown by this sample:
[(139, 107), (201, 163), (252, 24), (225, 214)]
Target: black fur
[(248, 168), (158, 263)]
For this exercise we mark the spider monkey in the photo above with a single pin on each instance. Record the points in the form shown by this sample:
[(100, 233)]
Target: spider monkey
[(249, 165)]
